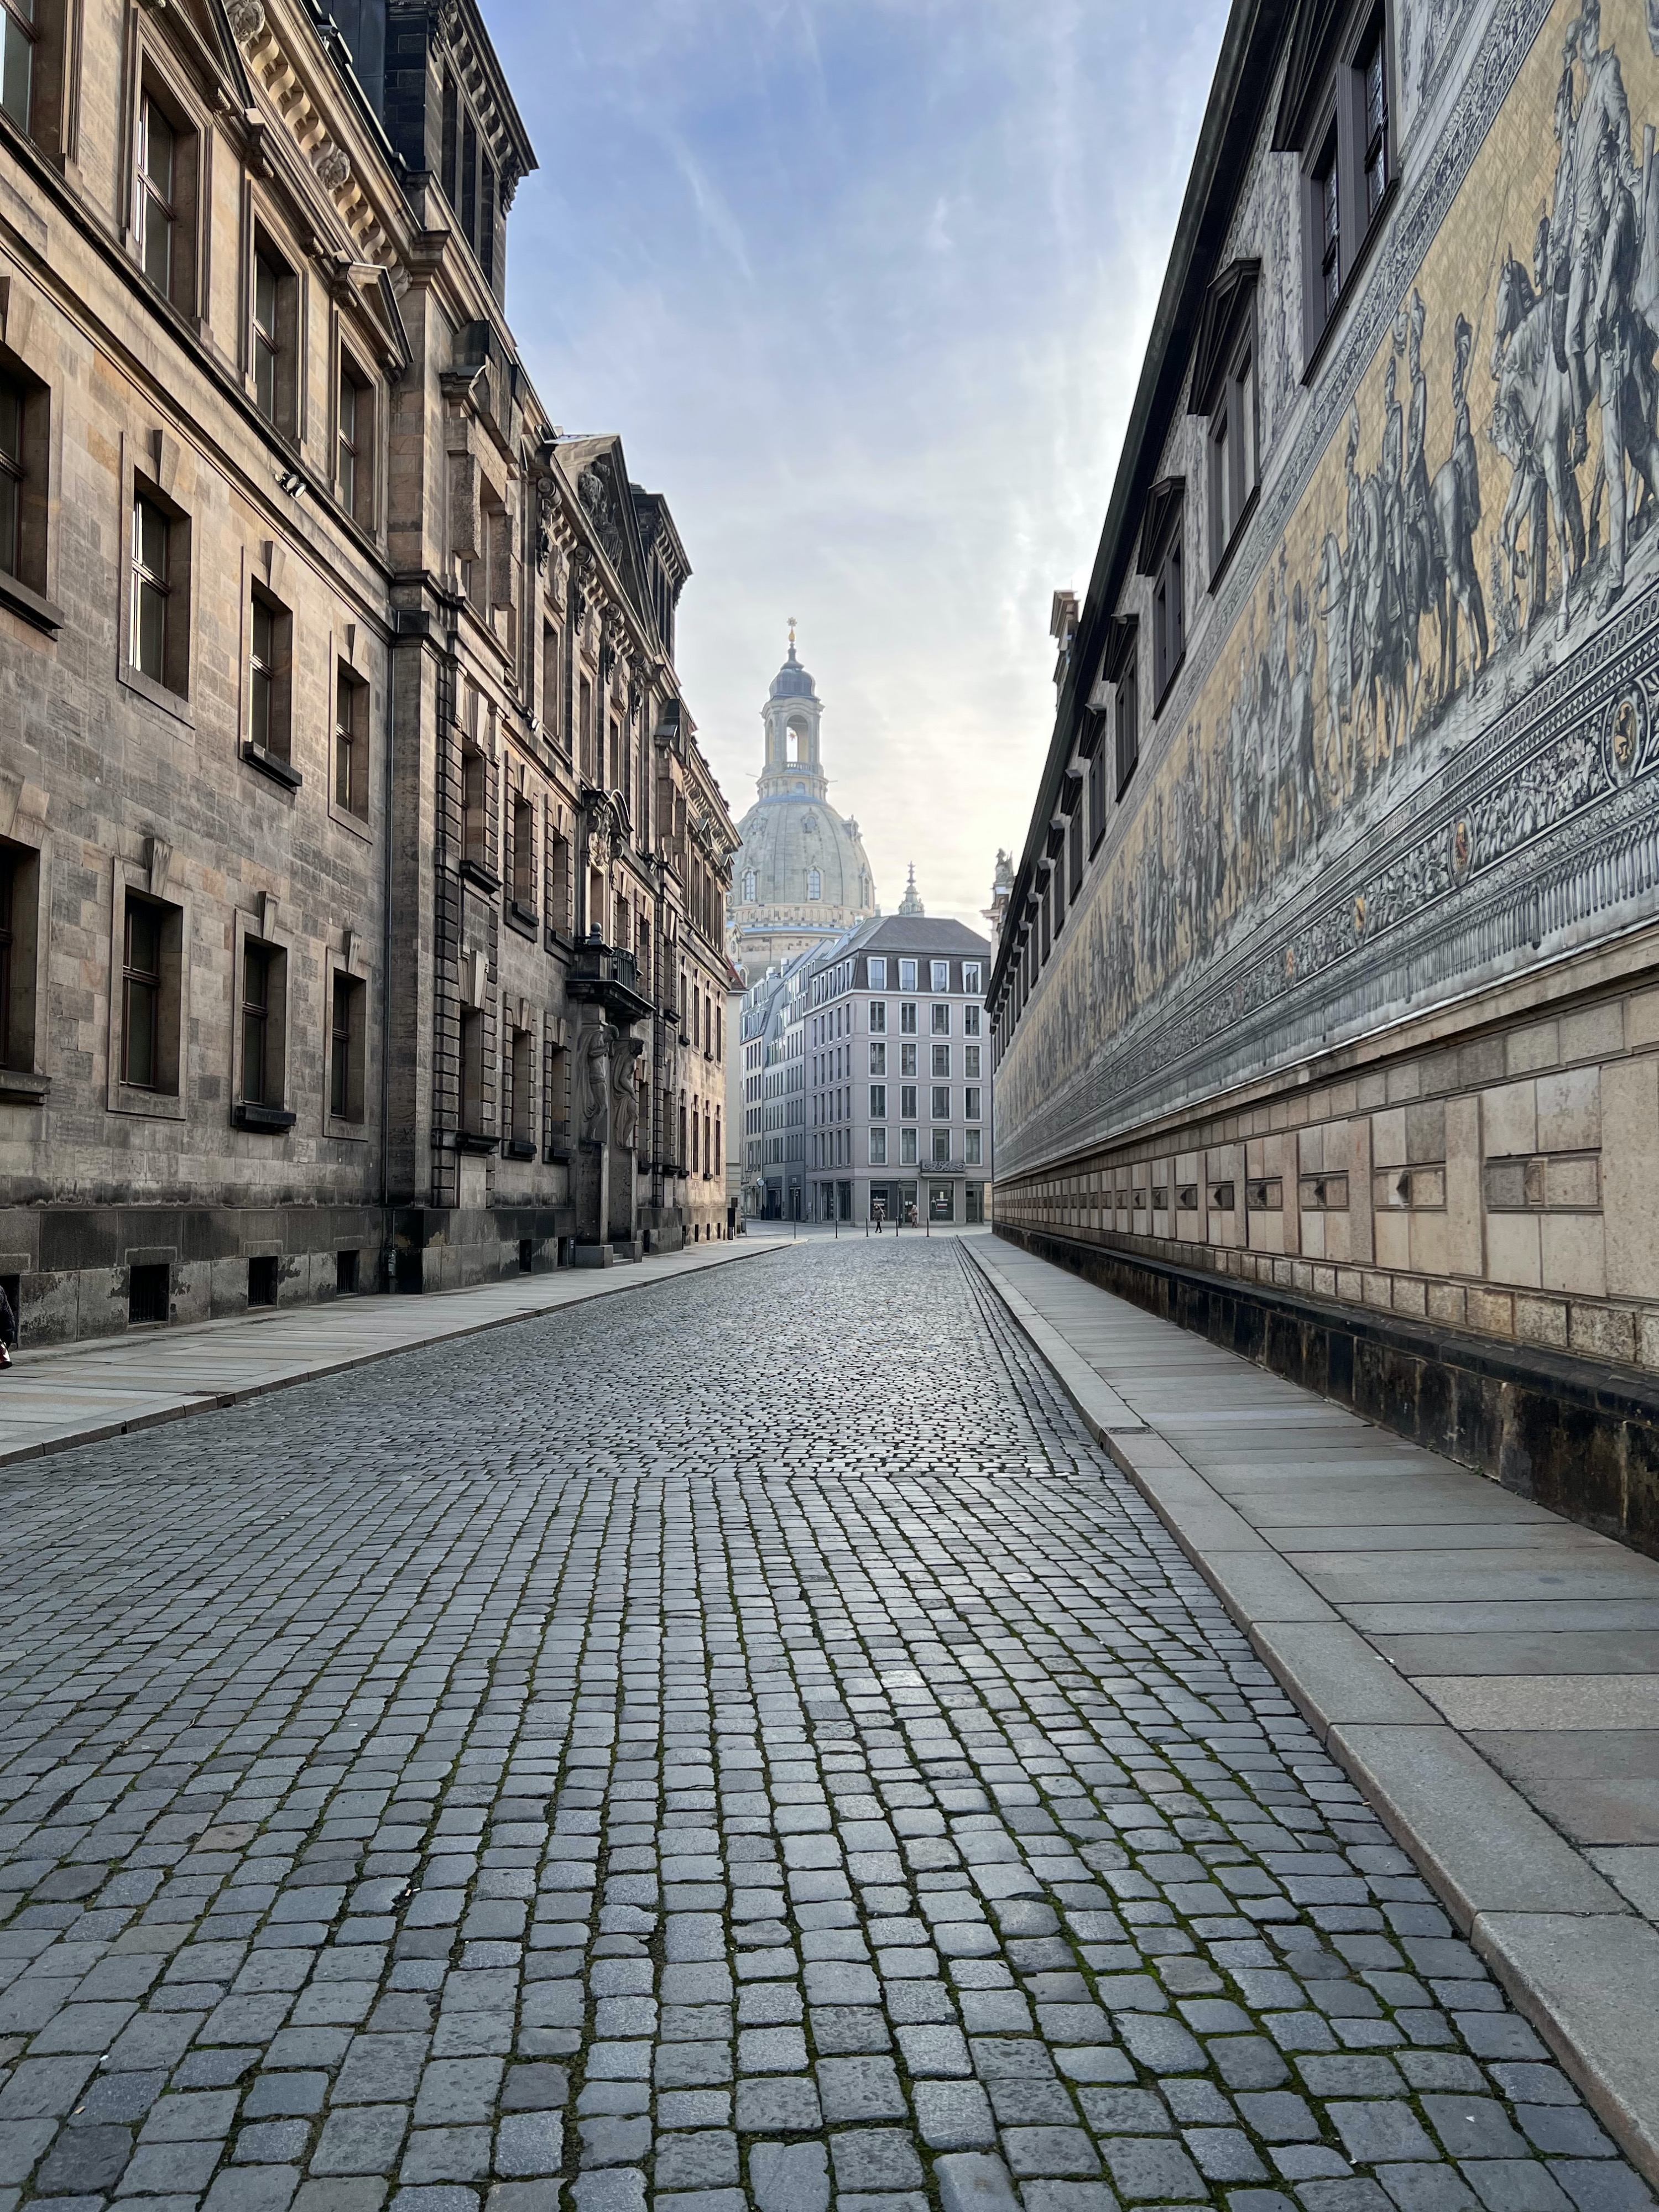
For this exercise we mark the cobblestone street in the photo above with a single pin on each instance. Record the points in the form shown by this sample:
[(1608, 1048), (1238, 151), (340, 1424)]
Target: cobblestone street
[(740, 1744)]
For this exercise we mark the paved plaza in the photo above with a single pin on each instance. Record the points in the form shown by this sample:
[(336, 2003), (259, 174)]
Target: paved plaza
[(575, 1768)]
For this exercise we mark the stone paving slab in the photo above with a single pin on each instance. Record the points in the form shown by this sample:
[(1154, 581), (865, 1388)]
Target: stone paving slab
[(559, 1771), (1490, 1677), (64, 1395)]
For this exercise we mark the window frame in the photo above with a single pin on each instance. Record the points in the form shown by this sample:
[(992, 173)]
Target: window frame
[(270, 679), (172, 688), (259, 941), (151, 883), (358, 454), (180, 207), (350, 746), (23, 922), (26, 564), (1326, 119), (345, 1085)]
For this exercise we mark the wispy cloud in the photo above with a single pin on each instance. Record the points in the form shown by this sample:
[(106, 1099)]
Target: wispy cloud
[(864, 284)]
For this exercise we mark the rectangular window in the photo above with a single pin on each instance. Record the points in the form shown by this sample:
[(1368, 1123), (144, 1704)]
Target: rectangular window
[(907, 1148), (970, 976), (157, 216), (11, 476), (970, 1104), (907, 1017), (354, 444), (451, 156), (1233, 449), (1372, 73), (20, 881), (551, 696), (972, 1150), (524, 853), (878, 1148), (587, 765), (520, 1094), (267, 277), (878, 973), (878, 1101), (878, 1059), (151, 945), (907, 1059), (939, 1020), (346, 1048), (25, 422), (468, 209), (941, 1101), (351, 743), (907, 1101), (473, 1071), (558, 887), (877, 1016), (1169, 612), (941, 1063), (263, 967), (1096, 792), (970, 1062), (164, 203), (1126, 712), (1327, 204), (941, 1148), (971, 1017), (475, 842), (941, 976), (152, 587), (270, 663), (18, 34), (907, 975)]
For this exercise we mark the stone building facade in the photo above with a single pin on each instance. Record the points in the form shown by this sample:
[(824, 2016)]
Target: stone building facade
[(361, 879), (801, 877), (1325, 1012)]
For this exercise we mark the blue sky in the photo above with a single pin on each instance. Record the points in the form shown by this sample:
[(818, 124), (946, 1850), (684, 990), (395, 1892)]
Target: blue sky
[(864, 285)]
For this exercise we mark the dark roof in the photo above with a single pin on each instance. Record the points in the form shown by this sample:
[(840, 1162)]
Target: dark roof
[(904, 933), (1250, 47), (792, 680)]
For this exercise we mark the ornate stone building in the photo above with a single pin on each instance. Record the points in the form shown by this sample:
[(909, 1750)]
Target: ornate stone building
[(361, 878), (801, 876), (1326, 1012)]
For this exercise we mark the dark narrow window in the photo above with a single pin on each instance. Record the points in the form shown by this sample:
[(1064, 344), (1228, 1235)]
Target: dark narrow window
[(1127, 720), (451, 138), (468, 209), (141, 996), (473, 1038), (158, 212), (524, 853), (1074, 842), (1373, 83), (354, 470), (346, 1066), (267, 288), (11, 477), (8, 955), (152, 587), (351, 743), (1327, 195), (1097, 792), (487, 222), (268, 663), (18, 31), (258, 964), (1168, 615), (474, 841)]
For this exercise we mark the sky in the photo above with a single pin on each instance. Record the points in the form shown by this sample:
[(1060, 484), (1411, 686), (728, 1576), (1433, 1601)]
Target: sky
[(864, 285)]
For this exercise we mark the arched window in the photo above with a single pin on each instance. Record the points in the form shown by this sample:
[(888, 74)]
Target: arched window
[(792, 745), (749, 886), (814, 883)]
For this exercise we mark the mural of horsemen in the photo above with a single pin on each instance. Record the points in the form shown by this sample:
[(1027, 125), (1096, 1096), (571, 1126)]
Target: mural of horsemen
[(1486, 494)]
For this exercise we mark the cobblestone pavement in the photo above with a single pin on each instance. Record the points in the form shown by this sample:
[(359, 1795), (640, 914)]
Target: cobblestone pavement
[(742, 1746)]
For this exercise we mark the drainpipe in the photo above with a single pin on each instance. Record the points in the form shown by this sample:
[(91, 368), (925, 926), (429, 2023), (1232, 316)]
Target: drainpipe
[(388, 1253)]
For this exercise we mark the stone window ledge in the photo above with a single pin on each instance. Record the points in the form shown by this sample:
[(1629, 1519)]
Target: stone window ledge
[(33, 606), (170, 702), (268, 764), (18, 1087), (157, 1105)]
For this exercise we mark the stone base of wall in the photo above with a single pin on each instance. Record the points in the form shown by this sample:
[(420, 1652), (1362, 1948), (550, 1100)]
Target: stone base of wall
[(68, 1269), (1576, 1436)]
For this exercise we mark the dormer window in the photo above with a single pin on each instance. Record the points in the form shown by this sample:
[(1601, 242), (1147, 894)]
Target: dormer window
[(1337, 113), (1121, 672)]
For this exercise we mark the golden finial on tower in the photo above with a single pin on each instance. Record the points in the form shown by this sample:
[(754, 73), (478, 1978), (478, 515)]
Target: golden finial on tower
[(791, 634)]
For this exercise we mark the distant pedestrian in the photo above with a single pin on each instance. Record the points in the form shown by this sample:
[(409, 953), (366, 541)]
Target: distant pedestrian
[(880, 1212), (8, 1329)]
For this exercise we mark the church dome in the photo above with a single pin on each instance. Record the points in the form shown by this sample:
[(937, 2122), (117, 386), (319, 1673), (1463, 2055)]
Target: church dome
[(801, 874), (803, 858)]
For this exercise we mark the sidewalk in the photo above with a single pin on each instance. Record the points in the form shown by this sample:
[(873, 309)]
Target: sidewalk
[(75, 1394), (1488, 1673)]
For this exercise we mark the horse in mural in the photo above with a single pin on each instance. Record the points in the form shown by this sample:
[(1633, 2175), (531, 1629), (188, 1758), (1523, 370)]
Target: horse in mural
[(1532, 426)]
